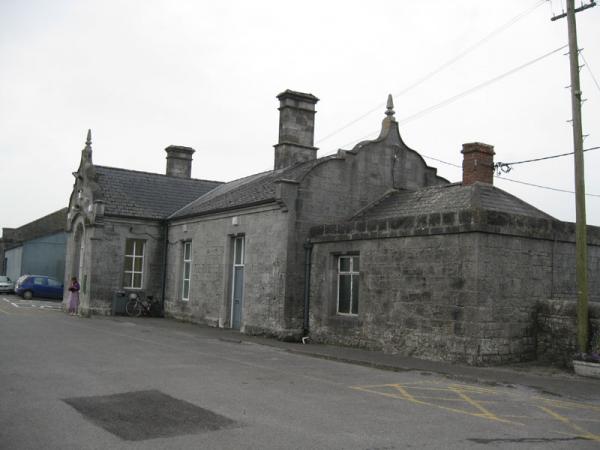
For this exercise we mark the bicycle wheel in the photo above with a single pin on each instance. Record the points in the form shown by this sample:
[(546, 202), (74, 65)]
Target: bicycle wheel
[(133, 308)]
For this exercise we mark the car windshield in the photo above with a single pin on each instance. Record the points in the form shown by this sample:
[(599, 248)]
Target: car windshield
[(4, 279)]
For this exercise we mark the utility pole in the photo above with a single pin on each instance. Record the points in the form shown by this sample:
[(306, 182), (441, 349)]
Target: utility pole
[(581, 228)]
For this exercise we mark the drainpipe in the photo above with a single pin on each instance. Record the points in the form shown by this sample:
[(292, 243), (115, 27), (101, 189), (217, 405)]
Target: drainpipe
[(307, 256), (164, 267)]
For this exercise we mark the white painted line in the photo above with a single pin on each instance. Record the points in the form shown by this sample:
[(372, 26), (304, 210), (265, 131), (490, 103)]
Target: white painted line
[(15, 305)]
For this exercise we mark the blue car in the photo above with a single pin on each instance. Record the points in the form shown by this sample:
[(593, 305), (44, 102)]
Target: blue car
[(29, 286)]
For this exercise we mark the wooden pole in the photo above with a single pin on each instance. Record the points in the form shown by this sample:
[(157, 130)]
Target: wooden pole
[(581, 228)]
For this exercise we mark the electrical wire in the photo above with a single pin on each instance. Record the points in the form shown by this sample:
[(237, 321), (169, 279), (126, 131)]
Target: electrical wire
[(543, 187), (544, 157), (463, 93), (513, 163), (519, 181), (440, 161), (479, 86), (443, 66), (587, 65)]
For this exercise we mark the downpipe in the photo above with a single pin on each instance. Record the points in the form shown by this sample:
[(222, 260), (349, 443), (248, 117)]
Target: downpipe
[(307, 265), (163, 287)]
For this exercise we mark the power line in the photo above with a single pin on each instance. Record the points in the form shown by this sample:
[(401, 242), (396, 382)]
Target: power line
[(479, 86), (506, 167), (440, 68), (543, 187), (440, 161), (463, 93), (512, 163), (517, 181), (590, 70)]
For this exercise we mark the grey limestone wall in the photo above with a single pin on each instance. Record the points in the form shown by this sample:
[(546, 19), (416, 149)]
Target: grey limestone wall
[(556, 329), (460, 286), (265, 233), (104, 253), (418, 296), (338, 188)]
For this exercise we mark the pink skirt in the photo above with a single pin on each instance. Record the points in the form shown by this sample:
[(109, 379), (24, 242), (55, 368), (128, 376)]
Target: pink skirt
[(73, 300)]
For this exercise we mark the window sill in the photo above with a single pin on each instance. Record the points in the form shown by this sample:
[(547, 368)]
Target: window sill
[(340, 320)]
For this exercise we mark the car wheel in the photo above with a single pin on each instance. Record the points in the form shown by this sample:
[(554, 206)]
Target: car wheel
[(27, 295)]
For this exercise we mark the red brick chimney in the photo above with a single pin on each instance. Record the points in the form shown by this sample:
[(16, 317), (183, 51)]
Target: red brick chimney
[(478, 163)]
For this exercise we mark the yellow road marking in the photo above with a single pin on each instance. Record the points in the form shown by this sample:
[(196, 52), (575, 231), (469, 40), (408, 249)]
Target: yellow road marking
[(452, 399), (584, 433), (567, 404), (420, 393), (405, 395), (477, 405), (469, 388)]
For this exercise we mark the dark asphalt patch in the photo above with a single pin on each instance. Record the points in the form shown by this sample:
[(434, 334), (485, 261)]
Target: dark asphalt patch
[(141, 415)]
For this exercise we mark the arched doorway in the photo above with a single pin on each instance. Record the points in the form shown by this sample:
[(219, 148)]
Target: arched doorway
[(79, 251)]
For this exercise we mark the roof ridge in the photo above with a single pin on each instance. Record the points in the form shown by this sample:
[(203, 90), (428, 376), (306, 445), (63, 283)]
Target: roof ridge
[(214, 194), (157, 174)]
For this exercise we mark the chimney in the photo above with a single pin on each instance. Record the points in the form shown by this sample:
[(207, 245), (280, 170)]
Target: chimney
[(478, 163), (179, 161), (296, 129)]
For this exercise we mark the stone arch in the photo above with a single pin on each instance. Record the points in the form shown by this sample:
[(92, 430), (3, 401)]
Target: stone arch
[(78, 251)]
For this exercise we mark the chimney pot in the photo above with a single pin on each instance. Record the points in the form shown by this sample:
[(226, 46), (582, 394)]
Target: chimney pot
[(179, 161), (478, 163)]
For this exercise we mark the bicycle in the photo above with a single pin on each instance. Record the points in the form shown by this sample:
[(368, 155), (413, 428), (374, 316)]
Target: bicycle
[(137, 306)]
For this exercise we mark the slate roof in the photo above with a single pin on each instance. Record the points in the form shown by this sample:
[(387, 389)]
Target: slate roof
[(252, 190), (446, 198), (146, 195)]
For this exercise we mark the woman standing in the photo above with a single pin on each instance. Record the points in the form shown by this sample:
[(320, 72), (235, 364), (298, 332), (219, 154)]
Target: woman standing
[(73, 296)]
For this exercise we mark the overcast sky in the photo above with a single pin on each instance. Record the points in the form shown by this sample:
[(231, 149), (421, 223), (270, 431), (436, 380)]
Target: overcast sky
[(147, 74)]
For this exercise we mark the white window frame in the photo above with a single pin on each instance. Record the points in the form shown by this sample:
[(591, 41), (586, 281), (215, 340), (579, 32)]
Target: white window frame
[(130, 272), (186, 263), (352, 273)]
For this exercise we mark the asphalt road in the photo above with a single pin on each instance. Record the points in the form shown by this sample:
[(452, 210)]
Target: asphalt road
[(118, 383)]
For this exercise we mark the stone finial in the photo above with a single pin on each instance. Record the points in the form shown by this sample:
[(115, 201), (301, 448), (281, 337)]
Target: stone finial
[(87, 150), (390, 107)]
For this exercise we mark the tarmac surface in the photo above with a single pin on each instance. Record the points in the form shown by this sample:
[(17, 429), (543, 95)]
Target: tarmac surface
[(115, 382)]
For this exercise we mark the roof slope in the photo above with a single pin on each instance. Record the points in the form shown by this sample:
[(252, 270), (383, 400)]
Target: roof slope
[(446, 198), (146, 195), (248, 191), (51, 224)]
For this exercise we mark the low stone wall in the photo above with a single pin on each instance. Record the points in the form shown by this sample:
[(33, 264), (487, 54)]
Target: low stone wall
[(557, 329)]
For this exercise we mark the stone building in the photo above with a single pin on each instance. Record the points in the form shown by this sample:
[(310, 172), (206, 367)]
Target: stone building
[(116, 225), (366, 247)]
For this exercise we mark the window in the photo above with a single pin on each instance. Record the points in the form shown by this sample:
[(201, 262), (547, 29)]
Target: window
[(134, 264), (40, 281), (347, 297), (239, 252), (187, 270), (53, 283)]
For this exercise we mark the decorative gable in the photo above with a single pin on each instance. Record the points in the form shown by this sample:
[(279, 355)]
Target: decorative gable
[(86, 198)]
